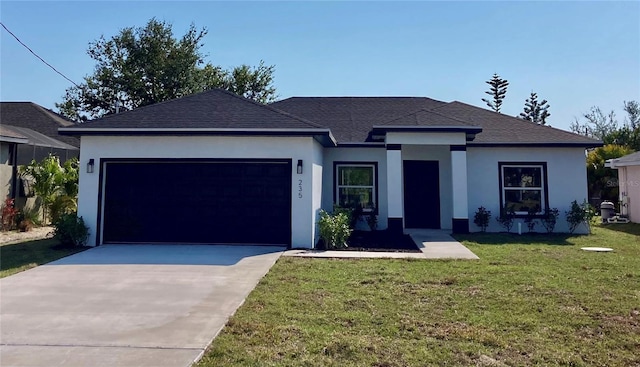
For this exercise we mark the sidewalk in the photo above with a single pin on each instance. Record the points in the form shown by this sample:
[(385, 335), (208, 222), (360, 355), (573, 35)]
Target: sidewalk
[(434, 244)]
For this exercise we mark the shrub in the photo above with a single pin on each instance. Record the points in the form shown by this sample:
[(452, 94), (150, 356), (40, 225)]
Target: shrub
[(549, 219), (579, 213), (9, 213), (506, 218), (334, 229), (70, 230), (530, 219), (481, 218), (25, 225)]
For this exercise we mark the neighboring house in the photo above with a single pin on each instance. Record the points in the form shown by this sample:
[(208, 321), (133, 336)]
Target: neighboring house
[(629, 184), (37, 118), (217, 168), (9, 142)]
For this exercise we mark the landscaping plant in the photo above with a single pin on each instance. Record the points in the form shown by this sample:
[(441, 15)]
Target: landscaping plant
[(506, 218), (70, 230), (549, 219), (9, 213), (57, 186), (334, 229), (530, 219), (481, 218), (579, 213)]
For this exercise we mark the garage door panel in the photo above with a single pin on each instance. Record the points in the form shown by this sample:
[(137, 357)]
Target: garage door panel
[(197, 202)]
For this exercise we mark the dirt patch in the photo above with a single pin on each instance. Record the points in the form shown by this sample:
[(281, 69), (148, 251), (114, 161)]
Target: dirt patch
[(8, 237)]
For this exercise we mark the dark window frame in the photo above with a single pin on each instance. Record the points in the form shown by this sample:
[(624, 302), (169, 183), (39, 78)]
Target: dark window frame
[(545, 184), (376, 189)]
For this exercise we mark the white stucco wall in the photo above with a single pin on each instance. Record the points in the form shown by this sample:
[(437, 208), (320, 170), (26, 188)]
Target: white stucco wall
[(441, 154), (294, 148), (378, 155), (567, 180), (317, 188), (629, 179)]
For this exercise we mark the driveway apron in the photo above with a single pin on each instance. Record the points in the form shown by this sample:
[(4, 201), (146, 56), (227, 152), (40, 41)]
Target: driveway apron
[(126, 305)]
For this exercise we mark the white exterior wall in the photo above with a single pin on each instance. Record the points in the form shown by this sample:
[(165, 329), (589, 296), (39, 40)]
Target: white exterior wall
[(250, 147), (378, 155), (629, 178), (443, 156), (432, 138), (567, 180)]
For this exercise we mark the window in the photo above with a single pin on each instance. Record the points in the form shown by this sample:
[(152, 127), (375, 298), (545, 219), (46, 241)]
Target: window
[(356, 185), (523, 187)]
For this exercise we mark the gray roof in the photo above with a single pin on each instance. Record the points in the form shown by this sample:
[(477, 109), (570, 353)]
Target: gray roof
[(503, 129), (351, 118), (38, 139), (632, 159), (213, 109), (8, 134), (37, 118)]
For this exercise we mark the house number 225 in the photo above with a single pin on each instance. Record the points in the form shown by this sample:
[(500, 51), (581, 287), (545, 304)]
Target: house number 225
[(300, 189)]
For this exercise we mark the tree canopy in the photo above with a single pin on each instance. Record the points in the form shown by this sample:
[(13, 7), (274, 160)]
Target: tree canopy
[(497, 90), (146, 65), (606, 127), (535, 111)]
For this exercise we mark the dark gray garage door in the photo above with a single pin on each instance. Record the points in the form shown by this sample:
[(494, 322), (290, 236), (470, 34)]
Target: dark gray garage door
[(195, 201)]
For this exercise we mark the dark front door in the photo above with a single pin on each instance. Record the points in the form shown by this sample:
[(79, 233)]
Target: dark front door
[(182, 201), (421, 194)]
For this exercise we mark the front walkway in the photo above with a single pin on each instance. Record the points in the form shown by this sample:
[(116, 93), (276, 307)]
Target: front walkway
[(434, 244)]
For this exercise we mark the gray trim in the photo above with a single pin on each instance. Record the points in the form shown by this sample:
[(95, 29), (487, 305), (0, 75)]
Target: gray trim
[(394, 146), (539, 145), (9, 139), (460, 225), (458, 148)]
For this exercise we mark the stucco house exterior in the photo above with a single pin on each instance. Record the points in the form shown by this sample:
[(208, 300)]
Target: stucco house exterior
[(217, 168), (629, 184)]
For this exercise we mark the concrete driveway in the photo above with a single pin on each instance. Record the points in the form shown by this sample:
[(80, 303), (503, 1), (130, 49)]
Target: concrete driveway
[(126, 305)]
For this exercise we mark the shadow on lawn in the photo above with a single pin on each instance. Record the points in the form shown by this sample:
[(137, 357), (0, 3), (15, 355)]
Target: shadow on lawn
[(33, 252), (629, 228), (553, 239)]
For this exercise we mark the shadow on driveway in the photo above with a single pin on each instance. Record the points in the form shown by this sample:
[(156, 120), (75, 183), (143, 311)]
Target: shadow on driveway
[(222, 255)]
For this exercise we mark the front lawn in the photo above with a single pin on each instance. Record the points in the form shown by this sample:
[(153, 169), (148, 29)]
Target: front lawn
[(17, 257), (529, 300)]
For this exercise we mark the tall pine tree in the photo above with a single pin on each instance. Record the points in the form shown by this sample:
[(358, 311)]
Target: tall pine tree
[(497, 91), (534, 111)]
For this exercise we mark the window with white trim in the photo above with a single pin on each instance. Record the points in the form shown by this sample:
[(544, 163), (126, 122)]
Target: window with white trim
[(523, 187), (356, 186)]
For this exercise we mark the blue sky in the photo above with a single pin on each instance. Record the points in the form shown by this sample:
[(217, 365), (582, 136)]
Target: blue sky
[(574, 54)]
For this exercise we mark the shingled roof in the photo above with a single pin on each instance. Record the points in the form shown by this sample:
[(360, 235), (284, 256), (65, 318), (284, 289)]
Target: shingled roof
[(37, 118), (352, 118), (213, 109)]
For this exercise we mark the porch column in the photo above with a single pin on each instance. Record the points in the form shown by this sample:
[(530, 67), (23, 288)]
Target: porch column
[(460, 221), (394, 188)]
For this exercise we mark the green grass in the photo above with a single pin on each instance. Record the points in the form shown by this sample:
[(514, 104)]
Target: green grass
[(529, 300), (17, 257)]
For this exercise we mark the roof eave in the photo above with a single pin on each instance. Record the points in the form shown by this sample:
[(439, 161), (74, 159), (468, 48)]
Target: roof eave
[(323, 136), (542, 144), (11, 139)]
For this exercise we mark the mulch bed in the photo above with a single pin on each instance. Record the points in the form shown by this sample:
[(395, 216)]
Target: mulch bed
[(378, 241)]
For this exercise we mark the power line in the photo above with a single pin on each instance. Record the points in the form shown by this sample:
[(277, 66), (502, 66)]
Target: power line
[(36, 55)]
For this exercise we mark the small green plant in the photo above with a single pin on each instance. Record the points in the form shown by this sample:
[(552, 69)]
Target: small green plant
[(549, 219), (70, 230), (530, 219), (506, 218), (334, 229), (579, 213), (481, 218)]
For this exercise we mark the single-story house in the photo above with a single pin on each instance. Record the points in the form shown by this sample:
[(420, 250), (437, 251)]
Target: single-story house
[(217, 168), (9, 142), (629, 184)]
